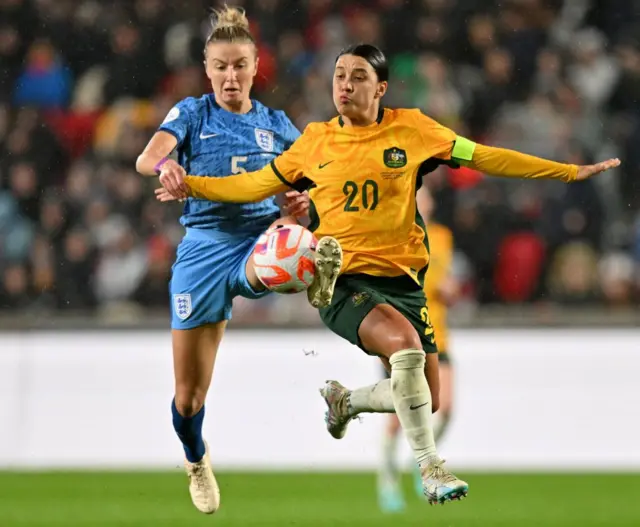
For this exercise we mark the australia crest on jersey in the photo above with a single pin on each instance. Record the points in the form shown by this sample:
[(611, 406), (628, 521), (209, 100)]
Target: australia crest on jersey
[(264, 138), (395, 157), (182, 305)]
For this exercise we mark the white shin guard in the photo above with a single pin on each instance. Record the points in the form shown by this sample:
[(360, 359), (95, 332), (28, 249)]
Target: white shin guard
[(412, 401)]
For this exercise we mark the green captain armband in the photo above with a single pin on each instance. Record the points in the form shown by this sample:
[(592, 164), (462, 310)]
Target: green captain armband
[(462, 152)]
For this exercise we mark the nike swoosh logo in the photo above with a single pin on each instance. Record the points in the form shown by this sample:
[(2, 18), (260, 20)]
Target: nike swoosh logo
[(207, 136), (416, 406), (322, 165)]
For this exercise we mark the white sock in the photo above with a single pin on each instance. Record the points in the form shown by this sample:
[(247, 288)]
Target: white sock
[(375, 398), (412, 401)]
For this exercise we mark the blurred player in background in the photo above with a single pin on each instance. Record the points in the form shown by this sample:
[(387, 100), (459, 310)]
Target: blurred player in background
[(221, 133), (441, 290), (363, 168)]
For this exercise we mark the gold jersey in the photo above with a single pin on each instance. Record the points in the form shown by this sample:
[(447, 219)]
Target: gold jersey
[(441, 245), (364, 182)]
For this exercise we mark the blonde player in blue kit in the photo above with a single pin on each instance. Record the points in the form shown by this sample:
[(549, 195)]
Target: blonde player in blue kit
[(225, 132)]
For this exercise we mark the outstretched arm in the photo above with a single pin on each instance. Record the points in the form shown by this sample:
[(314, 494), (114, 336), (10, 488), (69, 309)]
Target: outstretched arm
[(509, 163), (282, 174), (242, 188), (444, 144)]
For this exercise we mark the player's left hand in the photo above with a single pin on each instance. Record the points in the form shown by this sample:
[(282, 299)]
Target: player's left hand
[(296, 204), (586, 171)]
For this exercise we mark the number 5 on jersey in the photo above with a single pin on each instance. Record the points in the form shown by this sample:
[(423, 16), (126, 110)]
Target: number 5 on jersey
[(236, 167)]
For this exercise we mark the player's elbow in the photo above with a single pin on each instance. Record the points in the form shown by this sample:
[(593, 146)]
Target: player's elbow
[(140, 164), (145, 165)]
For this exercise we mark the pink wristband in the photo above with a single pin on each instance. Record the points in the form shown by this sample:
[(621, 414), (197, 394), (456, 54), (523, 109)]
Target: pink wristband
[(159, 164)]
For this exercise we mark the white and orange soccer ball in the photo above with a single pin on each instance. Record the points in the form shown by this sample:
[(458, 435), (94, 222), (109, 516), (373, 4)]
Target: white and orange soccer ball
[(284, 259)]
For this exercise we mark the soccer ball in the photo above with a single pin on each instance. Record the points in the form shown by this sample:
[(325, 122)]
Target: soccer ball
[(284, 259)]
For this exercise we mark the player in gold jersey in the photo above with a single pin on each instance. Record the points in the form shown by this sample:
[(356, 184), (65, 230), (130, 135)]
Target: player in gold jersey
[(441, 290), (362, 170)]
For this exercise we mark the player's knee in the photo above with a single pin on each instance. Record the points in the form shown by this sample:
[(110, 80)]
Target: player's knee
[(402, 340), (189, 400)]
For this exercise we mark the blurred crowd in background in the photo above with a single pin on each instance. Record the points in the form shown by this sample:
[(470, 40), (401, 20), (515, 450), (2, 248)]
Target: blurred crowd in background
[(84, 84)]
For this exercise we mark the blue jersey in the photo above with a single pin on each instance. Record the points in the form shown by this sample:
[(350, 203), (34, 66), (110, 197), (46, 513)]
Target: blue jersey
[(215, 142)]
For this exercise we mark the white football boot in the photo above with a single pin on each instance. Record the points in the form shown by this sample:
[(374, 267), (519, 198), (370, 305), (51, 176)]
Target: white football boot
[(337, 416), (203, 486), (328, 262), (440, 485)]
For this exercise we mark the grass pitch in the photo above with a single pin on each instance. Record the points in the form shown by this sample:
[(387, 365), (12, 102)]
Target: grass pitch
[(85, 499)]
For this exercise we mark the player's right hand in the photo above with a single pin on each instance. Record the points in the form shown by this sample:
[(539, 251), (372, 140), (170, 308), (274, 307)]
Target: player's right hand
[(162, 194), (172, 179)]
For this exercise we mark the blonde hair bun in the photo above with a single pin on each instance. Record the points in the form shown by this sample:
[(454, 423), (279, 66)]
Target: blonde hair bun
[(230, 17)]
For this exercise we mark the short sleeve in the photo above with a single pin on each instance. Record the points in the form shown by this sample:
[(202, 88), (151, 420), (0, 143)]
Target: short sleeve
[(289, 132), (289, 166), (177, 121), (438, 140)]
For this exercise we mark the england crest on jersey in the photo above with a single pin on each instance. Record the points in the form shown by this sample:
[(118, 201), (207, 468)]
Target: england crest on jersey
[(264, 138), (182, 305)]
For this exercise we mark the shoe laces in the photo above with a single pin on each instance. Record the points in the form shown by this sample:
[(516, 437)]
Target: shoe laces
[(438, 472), (199, 476)]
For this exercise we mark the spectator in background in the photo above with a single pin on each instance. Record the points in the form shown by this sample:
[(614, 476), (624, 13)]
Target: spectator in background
[(43, 260), (435, 93), (523, 28), (616, 273), (16, 232), (481, 38), (573, 277), (496, 88), (14, 289), (76, 274), (45, 80), (23, 182), (17, 26), (575, 213), (121, 267), (54, 219), (128, 72), (152, 291), (594, 74), (549, 71), (11, 42), (79, 187)]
